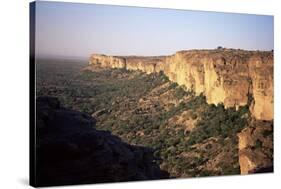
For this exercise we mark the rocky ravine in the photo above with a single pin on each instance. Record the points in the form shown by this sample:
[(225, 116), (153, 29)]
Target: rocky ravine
[(232, 77), (70, 151)]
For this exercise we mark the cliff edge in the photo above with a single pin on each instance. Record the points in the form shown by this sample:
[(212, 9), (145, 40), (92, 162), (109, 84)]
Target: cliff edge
[(232, 77)]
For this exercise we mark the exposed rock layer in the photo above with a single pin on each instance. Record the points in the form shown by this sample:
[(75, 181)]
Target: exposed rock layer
[(232, 77)]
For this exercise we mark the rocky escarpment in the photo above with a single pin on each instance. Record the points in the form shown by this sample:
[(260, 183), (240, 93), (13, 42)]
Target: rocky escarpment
[(232, 77), (256, 148), (70, 151)]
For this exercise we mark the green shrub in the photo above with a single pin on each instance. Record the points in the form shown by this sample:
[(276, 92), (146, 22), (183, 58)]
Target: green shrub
[(180, 93), (181, 133), (258, 144), (173, 85)]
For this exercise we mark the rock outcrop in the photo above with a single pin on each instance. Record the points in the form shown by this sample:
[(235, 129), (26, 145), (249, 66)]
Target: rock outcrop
[(232, 77), (256, 148), (70, 151)]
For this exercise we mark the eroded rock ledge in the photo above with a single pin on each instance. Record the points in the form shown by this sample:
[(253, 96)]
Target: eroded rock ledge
[(232, 77)]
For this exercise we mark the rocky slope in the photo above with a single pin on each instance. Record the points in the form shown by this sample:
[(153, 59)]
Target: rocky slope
[(232, 77), (70, 151), (256, 148)]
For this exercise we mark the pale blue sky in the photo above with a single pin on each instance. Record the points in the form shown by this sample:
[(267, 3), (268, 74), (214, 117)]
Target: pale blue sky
[(72, 29)]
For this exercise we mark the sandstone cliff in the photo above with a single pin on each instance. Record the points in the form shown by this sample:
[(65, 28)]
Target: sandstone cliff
[(232, 77), (256, 148)]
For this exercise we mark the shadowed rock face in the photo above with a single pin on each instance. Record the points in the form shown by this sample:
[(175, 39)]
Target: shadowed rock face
[(232, 77), (256, 148), (70, 151)]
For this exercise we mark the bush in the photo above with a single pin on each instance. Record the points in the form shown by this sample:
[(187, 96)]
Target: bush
[(258, 144), (180, 93), (194, 115), (173, 85), (181, 133)]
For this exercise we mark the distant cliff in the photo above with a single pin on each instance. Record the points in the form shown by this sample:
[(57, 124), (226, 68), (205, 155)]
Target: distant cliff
[(232, 77)]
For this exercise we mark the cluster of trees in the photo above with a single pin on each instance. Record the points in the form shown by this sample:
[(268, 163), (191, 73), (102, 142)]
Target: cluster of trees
[(216, 121)]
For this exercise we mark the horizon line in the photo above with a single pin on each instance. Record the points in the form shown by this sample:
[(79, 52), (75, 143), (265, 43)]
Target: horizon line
[(51, 56)]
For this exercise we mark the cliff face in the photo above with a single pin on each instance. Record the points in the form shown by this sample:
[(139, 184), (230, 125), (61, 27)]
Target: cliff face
[(256, 148), (261, 73), (108, 61), (232, 77)]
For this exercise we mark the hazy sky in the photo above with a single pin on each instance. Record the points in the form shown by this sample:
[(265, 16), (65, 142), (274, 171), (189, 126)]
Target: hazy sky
[(71, 29)]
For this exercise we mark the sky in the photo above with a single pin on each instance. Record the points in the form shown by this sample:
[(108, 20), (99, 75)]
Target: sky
[(78, 30)]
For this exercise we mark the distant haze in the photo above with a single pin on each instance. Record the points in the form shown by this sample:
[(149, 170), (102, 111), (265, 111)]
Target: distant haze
[(78, 30)]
